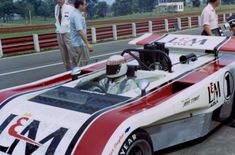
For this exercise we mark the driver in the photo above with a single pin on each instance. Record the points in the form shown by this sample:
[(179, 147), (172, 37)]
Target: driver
[(116, 81)]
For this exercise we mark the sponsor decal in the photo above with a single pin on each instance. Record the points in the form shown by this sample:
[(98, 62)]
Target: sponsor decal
[(13, 132), (214, 93), (127, 130), (187, 41), (118, 142), (228, 86), (190, 101), (92, 92), (120, 139), (25, 129)]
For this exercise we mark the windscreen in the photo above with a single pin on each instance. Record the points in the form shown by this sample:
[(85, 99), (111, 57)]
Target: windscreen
[(78, 100)]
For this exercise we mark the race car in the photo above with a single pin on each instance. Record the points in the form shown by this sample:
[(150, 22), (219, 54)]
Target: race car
[(187, 90)]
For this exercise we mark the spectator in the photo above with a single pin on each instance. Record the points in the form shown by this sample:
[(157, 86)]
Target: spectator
[(62, 15), (79, 34), (210, 18)]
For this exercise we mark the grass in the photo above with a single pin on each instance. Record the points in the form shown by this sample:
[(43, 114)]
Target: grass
[(23, 22), (21, 34)]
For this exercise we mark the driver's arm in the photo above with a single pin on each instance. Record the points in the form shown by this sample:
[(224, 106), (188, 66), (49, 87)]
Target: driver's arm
[(103, 83), (130, 86)]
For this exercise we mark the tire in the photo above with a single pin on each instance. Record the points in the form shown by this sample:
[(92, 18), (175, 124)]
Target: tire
[(232, 116), (221, 116), (138, 143)]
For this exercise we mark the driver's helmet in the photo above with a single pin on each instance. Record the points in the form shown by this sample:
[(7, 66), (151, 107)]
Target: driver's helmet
[(116, 66)]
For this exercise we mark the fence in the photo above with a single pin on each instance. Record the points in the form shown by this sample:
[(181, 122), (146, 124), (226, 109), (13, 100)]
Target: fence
[(44, 41)]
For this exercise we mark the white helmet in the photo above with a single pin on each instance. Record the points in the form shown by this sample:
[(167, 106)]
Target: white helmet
[(116, 66)]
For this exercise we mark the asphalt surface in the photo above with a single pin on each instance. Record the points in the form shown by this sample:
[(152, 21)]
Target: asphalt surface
[(28, 68), (219, 142), (23, 69)]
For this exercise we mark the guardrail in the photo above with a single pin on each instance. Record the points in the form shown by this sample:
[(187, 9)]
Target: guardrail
[(44, 41)]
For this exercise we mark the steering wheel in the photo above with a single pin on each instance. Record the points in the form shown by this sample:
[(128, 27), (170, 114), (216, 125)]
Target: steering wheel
[(142, 64), (92, 86), (163, 59)]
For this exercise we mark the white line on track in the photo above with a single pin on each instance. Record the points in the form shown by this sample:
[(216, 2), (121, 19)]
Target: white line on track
[(56, 64), (51, 65)]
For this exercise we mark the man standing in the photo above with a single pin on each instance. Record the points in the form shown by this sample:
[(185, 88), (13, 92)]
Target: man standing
[(62, 15), (210, 19), (79, 34)]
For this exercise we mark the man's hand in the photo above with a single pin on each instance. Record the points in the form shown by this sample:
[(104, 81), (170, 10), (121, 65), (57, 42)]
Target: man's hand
[(90, 47), (208, 30), (84, 38)]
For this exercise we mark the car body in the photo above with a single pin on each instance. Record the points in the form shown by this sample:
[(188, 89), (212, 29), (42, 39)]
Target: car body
[(182, 100)]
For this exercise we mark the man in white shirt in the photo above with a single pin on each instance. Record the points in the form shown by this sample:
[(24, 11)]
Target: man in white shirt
[(62, 16), (210, 18)]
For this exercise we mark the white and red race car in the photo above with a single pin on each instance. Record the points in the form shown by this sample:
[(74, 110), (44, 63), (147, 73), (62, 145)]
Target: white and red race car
[(186, 93)]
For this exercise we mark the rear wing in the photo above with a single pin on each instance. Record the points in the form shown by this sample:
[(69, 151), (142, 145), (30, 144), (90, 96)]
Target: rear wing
[(191, 42)]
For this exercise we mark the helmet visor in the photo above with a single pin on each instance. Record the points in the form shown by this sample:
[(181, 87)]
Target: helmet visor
[(113, 69)]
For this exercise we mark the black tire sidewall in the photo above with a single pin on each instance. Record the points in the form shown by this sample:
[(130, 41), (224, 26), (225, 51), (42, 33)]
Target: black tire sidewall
[(132, 138), (232, 116)]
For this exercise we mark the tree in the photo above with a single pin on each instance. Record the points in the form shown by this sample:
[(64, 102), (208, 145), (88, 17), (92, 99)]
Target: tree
[(91, 8), (147, 5), (228, 1), (6, 9), (124, 7), (36, 4), (24, 8), (44, 10), (196, 3), (101, 9), (136, 8), (51, 4)]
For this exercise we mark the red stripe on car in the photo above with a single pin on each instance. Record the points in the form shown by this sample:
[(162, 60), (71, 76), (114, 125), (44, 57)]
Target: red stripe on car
[(150, 39), (228, 46), (100, 131)]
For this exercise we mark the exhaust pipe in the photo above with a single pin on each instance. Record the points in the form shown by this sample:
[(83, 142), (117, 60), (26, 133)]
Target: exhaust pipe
[(187, 58)]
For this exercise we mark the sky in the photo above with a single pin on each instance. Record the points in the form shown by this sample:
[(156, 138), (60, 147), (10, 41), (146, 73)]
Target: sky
[(108, 1)]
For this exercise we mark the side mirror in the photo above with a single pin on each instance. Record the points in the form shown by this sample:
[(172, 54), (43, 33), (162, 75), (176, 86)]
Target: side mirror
[(75, 72), (143, 85)]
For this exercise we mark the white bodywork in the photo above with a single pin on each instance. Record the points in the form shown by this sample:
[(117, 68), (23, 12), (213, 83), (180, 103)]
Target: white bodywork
[(192, 104)]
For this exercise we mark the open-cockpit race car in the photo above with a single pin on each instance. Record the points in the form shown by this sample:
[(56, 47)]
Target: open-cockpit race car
[(186, 86)]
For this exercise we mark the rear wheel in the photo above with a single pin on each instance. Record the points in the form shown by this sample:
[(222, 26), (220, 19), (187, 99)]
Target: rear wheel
[(232, 117), (138, 143)]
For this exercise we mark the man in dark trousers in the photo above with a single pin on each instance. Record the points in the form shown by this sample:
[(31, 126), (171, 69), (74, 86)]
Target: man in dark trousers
[(210, 19)]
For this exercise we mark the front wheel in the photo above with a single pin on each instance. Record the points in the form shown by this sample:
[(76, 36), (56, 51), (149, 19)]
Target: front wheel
[(138, 143)]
